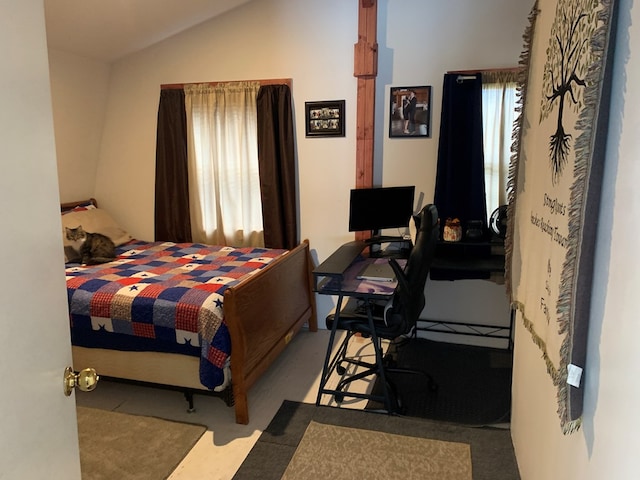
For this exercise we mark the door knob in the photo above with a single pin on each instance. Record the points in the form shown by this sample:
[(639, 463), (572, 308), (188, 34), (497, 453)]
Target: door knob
[(86, 380)]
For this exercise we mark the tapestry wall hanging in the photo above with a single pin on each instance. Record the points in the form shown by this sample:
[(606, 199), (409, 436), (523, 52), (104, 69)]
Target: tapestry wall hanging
[(554, 187)]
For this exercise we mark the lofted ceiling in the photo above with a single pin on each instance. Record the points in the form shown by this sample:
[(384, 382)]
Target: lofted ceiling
[(107, 30)]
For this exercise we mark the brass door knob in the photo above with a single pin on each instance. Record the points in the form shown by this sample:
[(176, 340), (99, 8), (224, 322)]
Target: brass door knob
[(86, 380)]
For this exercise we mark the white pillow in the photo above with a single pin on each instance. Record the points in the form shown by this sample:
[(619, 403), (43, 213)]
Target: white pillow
[(95, 220)]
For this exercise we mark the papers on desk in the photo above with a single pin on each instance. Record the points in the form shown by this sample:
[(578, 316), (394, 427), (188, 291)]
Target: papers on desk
[(378, 271)]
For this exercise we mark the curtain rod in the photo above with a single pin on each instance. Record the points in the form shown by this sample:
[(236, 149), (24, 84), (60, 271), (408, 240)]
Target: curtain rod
[(462, 78), (464, 75), (486, 70), (277, 81)]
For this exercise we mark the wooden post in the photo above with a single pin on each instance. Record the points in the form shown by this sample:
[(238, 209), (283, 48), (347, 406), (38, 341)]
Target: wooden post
[(366, 70)]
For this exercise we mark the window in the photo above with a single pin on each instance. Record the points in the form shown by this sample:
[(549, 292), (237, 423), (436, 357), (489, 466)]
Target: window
[(256, 116), (224, 180), (498, 116)]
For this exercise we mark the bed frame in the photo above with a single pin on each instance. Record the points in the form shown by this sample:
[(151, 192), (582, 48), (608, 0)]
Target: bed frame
[(263, 313)]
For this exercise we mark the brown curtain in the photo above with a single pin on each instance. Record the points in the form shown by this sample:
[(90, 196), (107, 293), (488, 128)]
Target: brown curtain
[(276, 157), (172, 222)]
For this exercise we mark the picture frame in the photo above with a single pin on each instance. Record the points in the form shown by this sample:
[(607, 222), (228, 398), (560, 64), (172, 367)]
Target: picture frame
[(418, 121), (325, 118)]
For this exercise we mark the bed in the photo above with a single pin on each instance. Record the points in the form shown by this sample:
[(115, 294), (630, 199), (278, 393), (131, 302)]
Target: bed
[(138, 318)]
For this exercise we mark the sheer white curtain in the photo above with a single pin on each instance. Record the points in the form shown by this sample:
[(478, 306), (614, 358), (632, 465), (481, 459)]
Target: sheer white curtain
[(224, 185), (498, 115)]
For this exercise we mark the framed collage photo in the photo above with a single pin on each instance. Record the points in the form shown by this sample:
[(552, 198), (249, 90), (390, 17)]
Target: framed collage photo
[(410, 112), (324, 119)]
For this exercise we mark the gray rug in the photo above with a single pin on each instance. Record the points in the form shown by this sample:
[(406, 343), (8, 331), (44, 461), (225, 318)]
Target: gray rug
[(117, 446), (492, 454)]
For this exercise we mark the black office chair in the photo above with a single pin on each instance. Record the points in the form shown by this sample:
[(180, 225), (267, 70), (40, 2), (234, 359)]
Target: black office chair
[(392, 321)]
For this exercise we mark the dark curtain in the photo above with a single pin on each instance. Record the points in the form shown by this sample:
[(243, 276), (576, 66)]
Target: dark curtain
[(172, 221), (276, 158), (460, 189)]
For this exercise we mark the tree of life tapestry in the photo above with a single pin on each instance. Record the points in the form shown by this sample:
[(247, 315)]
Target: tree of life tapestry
[(554, 189)]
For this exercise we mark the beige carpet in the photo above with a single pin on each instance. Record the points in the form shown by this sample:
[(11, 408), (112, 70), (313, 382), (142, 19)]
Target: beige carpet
[(330, 451), (118, 446)]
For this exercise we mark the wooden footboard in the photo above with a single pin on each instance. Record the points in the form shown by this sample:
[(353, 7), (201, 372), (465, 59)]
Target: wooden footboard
[(263, 314)]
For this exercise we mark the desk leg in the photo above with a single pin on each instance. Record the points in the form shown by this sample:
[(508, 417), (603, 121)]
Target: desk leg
[(325, 369), (379, 360)]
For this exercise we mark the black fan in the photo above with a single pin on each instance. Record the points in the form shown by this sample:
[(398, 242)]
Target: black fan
[(498, 221)]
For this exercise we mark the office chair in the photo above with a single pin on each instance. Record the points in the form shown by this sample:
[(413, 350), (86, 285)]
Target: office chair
[(396, 319)]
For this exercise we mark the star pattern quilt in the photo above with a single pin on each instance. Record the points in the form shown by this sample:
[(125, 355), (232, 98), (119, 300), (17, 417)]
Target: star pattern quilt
[(162, 296)]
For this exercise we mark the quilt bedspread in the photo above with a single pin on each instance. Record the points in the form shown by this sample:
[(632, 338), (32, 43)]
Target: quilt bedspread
[(165, 291)]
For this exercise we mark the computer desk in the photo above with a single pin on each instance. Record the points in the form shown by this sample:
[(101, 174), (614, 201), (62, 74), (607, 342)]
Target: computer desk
[(484, 260), (463, 260), (337, 276)]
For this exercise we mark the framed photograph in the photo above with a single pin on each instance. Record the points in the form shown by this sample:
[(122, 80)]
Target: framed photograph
[(410, 112), (324, 119)]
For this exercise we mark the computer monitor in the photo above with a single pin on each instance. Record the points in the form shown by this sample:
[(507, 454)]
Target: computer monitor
[(382, 207)]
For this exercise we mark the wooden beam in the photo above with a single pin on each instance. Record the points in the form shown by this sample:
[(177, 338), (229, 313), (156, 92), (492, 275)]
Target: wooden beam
[(365, 70)]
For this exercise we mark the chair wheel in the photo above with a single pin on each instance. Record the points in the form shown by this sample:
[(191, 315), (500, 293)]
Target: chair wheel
[(341, 370)]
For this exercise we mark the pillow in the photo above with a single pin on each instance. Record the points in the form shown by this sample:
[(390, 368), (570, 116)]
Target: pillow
[(95, 220), (80, 208)]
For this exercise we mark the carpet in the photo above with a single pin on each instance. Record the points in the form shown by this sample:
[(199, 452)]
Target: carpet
[(326, 451), (115, 446), (474, 383), (492, 455)]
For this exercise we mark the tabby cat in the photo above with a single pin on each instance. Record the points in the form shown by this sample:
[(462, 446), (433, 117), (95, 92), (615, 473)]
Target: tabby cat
[(93, 247)]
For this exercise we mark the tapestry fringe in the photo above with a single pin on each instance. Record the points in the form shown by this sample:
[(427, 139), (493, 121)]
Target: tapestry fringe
[(516, 137), (584, 148), (558, 380)]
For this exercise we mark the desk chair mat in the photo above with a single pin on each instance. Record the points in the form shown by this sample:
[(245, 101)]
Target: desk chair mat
[(474, 383)]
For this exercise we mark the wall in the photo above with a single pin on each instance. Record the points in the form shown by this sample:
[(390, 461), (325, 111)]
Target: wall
[(312, 43), (442, 36), (79, 88), (605, 446), (419, 41)]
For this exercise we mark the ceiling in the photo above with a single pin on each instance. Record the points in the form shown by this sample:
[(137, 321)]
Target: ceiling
[(107, 30)]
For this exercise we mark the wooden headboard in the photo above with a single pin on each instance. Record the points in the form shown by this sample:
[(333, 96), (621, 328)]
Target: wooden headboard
[(65, 207)]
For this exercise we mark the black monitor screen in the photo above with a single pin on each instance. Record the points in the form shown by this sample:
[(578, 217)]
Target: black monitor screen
[(378, 208)]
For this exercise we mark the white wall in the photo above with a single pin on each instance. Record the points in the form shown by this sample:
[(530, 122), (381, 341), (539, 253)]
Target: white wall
[(419, 41), (79, 88), (287, 38), (606, 445), (312, 43)]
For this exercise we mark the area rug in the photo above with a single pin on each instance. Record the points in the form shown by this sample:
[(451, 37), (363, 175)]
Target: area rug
[(116, 446), (492, 454), (474, 382), (326, 451)]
